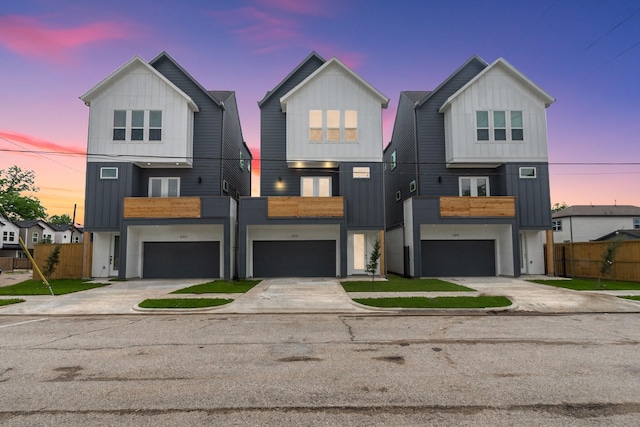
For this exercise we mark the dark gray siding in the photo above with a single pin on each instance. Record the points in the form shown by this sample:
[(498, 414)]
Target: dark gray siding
[(238, 179), (434, 177), (104, 197), (398, 179), (533, 202), (273, 139), (364, 196), (204, 179)]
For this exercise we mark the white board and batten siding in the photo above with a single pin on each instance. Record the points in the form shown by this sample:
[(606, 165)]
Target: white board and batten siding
[(334, 89), (138, 88), (496, 90)]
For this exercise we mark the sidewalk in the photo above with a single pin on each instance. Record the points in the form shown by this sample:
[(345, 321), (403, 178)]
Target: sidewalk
[(308, 295)]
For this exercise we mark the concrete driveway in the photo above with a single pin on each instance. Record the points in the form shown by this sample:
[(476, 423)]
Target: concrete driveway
[(306, 295)]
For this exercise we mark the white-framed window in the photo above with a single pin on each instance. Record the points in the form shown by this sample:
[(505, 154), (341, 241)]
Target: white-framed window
[(361, 172), (528, 172), (315, 186), (394, 161), (76, 239), (137, 125), (499, 125), (333, 125), (636, 223), (412, 186), (474, 186), (398, 195), (47, 238), (109, 173), (164, 187), (5, 236), (241, 163), (556, 225), (34, 237)]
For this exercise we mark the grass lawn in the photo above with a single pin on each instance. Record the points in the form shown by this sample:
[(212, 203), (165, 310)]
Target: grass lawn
[(633, 297), (183, 302), (590, 284), (219, 287), (10, 301), (439, 302), (402, 284), (59, 286)]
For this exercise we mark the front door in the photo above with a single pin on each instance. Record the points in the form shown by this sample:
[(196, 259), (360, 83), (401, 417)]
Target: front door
[(523, 254), (114, 258)]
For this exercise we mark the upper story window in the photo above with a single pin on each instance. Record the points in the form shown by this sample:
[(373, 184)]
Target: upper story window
[(528, 172), (315, 186), (474, 186), (137, 125), (636, 223), (333, 125), (499, 126), (241, 162), (109, 173), (164, 187), (394, 162), (556, 225), (47, 238), (8, 236), (34, 237)]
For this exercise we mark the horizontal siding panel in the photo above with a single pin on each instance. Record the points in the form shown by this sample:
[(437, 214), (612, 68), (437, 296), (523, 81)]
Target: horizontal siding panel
[(305, 207), (162, 207), (477, 206)]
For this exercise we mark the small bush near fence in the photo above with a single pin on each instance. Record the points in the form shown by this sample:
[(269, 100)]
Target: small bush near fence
[(70, 266), (584, 259)]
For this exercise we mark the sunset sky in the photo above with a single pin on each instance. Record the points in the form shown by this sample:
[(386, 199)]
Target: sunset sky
[(584, 53)]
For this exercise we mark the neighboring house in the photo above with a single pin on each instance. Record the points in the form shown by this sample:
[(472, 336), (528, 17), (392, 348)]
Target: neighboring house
[(35, 231), (9, 245), (321, 207), (67, 233), (467, 185), (166, 164), (582, 223), (620, 235)]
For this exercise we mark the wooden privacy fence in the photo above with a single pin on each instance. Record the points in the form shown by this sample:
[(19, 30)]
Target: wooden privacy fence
[(10, 264), (70, 266), (585, 259)]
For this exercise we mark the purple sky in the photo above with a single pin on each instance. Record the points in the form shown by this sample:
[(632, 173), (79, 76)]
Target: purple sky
[(585, 53)]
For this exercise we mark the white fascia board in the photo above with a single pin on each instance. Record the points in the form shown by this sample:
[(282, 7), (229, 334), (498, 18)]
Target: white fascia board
[(88, 96), (384, 101), (548, 99)]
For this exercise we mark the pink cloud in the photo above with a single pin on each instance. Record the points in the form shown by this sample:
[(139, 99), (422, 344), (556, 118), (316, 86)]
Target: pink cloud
[(29, 37), (37, 144)]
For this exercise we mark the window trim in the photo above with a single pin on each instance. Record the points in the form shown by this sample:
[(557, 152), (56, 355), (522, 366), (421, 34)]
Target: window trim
[(320, 130), (316, 185), (398, 195), (636, 223), (524, 176), (164, 185), (491, 127), (556, 225), (34, 237), (128, 129), (241, 162), (412, 186), (106, 168), (394, 160)]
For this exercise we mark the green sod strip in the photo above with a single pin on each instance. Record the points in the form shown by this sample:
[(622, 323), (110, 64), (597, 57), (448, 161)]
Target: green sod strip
[(219, 287), (402, 284), (633, 297), (591, 285), (59, 286), (10, 301), (439, 302), (183, 302)]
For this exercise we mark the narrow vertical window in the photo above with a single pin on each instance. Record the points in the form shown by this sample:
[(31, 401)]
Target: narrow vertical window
[(333, 125), (465, 186), (393, 161), (482, 125), (155, 125), (34, 237), (499, 126), (517, 133), (137, 125), (315, 125), (119, 125), (350, 125)]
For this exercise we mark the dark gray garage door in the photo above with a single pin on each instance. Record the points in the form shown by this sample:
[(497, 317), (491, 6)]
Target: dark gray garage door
[(181, 260), (458, 258), (299, 258)]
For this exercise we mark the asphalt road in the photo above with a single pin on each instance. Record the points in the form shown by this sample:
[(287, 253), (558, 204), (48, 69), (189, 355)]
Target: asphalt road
[(320, 370)]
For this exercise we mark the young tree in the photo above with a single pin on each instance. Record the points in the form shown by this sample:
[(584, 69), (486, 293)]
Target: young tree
[(14, 205), (63, 219), (372, 266), (608, 258), (52, 262)]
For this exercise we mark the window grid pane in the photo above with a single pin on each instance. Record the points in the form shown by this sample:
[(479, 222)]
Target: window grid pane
[(333, 125)]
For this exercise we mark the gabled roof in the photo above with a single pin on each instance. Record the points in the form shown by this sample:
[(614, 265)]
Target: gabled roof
[(433, 92), (416, 95), (629, 234), (598, 210), (313, 54), (63, 227), (334, 61), (136, 60), (511, 70), (29, 224), (165, 55)]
